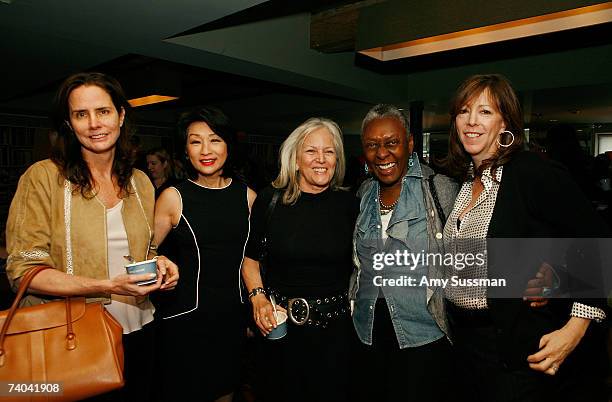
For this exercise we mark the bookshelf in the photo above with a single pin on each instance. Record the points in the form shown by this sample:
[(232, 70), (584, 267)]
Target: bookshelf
[(23, 140)]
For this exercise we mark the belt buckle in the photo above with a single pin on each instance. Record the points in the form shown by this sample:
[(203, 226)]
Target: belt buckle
[(292, 316)]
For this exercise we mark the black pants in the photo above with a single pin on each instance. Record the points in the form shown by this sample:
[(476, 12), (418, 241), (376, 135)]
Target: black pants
[(386, 373), (485, 378)]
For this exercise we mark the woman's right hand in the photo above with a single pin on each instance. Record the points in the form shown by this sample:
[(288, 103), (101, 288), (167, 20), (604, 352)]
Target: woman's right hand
[(534, 292), (263, 313), (125, 284)]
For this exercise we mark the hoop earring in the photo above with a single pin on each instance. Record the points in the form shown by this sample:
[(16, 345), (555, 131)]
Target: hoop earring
[(410, 162), (511, 142), (366, 169)]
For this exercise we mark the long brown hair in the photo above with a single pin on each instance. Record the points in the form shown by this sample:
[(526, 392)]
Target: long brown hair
[(66, 152), (500, 91)]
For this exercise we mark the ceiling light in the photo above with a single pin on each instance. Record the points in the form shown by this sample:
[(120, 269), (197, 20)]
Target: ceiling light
[(151, 99), (522, 28)]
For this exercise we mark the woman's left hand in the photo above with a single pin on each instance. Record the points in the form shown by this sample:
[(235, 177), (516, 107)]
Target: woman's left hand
[(557, 345), (169, 271)]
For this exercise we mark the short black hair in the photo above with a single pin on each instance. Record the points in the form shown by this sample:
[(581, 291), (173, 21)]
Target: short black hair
[(219, 124)]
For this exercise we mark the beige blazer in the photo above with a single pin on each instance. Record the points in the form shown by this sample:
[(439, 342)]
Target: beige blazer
[(49, 224)]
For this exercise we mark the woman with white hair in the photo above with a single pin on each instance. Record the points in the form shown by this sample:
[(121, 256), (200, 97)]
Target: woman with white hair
[(305, 243)]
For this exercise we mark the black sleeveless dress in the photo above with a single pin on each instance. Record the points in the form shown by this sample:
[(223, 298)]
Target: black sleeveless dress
[(201, 324)]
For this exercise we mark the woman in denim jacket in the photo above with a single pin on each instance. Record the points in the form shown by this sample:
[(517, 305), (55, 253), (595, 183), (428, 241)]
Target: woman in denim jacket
[(399, 311)]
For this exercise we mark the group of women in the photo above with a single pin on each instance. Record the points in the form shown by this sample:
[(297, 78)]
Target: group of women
[(305, 246)]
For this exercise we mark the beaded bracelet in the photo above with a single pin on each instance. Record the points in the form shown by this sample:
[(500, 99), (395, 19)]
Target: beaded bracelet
[(256, 291)]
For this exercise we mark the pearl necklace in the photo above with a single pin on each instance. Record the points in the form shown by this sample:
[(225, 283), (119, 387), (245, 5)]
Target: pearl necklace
[(383, 207)]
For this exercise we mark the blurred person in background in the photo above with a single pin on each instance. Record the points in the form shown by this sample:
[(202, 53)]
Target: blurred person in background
[(161, 170), (563, 147)]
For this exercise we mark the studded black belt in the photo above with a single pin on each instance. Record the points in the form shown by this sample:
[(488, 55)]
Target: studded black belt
[(317, 312)]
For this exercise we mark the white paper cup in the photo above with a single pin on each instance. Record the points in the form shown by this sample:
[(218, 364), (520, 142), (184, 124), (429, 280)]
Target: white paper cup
[(281, 327), (143, 267)]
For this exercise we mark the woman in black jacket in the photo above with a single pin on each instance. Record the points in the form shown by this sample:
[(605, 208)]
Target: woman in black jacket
[(509, 350)]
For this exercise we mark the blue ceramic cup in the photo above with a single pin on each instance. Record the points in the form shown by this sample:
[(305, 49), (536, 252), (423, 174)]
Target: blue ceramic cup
[(281, 327), (143, 267)]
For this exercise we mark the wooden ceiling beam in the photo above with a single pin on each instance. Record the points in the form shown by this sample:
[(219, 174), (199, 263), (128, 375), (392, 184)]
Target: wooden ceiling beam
[(335, 30)]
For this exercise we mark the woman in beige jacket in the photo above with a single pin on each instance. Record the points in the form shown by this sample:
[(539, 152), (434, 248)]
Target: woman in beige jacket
[(85, 209)]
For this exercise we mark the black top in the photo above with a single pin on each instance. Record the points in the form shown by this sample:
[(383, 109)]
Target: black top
[(170, 182), (309, 243), (207, 245), (544, 200)]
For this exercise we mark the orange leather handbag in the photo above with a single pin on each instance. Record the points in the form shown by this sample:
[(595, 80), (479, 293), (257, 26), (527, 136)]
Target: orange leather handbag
[(67, 342)]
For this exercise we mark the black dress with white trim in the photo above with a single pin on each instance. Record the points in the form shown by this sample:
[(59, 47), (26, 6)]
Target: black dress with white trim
[(202, 321)]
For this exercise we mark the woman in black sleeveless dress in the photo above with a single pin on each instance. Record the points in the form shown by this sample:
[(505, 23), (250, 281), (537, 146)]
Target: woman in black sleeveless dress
[(206, 219)]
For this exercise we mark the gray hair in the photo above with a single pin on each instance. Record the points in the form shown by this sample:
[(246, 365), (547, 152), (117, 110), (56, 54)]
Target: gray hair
[(383, 110), (288, 177)]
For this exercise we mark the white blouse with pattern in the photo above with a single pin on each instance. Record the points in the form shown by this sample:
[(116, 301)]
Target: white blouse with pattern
[(474, 225)]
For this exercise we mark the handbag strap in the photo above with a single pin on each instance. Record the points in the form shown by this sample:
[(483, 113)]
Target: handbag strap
[(275, 195), (434, 194), (270, 209), (264, 239), (23, 286)]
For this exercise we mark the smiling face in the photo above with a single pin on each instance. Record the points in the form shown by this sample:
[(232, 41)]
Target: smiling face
[(387, 149), (206, 150), (479, 124), (316, 161), (94, 119)]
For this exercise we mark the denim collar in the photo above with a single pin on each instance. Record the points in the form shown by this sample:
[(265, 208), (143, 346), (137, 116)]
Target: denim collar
[(370, 217), (415, 169)]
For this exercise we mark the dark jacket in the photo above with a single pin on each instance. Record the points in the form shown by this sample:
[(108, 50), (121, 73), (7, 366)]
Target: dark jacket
[(538, 199)]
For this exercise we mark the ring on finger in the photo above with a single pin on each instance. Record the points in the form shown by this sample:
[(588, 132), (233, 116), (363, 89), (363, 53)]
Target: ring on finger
[(554, 367)]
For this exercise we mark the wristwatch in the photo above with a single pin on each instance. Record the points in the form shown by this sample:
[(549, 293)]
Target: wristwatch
[(256, 291)]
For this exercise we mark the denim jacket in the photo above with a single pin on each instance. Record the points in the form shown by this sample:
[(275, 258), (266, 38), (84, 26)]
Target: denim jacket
[(414, 324)]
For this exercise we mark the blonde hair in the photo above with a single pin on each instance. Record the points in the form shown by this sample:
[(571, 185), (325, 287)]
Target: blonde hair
[(288, 177), (164, 157)]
